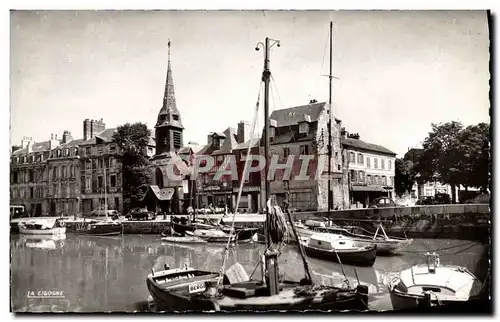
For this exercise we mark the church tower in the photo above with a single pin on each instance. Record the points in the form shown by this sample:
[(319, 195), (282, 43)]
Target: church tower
[(169, 125)]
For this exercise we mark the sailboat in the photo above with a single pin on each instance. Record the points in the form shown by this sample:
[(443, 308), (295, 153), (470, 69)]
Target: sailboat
[(106, 227), (188, 288)]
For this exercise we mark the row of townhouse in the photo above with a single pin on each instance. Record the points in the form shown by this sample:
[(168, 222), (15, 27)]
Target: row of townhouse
[(360, 171), (65, 176)]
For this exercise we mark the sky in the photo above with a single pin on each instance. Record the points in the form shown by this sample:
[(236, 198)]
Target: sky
[(398, 71)]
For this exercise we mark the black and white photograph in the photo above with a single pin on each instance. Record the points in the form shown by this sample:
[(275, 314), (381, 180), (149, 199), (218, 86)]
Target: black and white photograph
[(250, 161)]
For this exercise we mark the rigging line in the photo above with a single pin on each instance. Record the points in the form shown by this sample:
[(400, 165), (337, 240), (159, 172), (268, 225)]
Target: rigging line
[(324, 51), (250, 146), (273, 83)]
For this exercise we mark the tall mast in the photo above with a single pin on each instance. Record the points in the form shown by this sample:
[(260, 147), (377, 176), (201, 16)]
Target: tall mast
[(105, 193), (271, 265), (330, 124)]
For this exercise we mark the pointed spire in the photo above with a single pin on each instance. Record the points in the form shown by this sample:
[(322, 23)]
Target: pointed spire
[(169, 107)]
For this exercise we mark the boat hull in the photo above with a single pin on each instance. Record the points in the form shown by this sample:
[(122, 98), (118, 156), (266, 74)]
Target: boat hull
[(363, 257), (212, 239), (174, 296), (53, 231), (401, 302), (101, 229), (384, 246), (184, 240)]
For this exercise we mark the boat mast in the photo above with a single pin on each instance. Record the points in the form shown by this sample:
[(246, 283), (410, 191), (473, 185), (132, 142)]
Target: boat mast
[(271, 259), (330, 125), (105, 193)]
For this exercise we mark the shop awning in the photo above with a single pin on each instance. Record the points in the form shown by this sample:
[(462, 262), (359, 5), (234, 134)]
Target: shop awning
[(368, 188), (163, 194)]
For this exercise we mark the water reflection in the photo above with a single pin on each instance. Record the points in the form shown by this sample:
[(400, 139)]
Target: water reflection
[(108, 273)]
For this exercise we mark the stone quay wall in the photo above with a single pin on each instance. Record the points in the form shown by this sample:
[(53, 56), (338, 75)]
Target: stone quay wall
[(467, 221)]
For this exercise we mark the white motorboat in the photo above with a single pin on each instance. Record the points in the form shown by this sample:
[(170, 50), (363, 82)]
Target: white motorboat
[(432, 284), (339, 248), (385, 244), (46, 226)]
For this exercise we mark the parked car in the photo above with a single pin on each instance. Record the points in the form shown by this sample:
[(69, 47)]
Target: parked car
[(113, 214), (140, 214), (480, 199), (442, 199), (384, 202), (426, 200)]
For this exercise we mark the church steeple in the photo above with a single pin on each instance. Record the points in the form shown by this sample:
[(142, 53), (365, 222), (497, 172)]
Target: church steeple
[(169, 114), (169, 125)]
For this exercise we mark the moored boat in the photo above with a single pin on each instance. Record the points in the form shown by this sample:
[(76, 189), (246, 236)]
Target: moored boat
[(189, 289), (385, 244), (100, 228), (183, 240), (47, 226), (433, 284), (212, 235), (339, 248)]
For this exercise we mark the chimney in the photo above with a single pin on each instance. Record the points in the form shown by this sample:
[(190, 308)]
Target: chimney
[(313, 101), (66, 137), (86, 129), (92, 127), (343, 132), (53, 143), (25, 141), (210, 139), (29, 146), (243, 133)]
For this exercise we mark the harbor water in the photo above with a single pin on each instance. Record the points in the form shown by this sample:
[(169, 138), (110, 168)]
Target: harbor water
[(108, 274)]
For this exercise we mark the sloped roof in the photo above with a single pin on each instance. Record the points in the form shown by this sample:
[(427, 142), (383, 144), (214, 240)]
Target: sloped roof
[(106, 136), (254, 142), (294, 115), (71, 143), (229, 143), (36, 147), (366, 146), (152, 141)]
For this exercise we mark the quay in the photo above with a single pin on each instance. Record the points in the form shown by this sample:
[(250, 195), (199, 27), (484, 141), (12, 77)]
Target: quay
[(468, 221)]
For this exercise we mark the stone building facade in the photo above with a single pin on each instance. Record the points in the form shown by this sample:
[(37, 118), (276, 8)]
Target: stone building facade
[(29, 176), (371, 170), (63, 167), (99, 156), (218, 192), (303, 130)]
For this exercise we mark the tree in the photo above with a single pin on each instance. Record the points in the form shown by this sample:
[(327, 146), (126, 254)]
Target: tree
[(475, 152), (442, 157), (132, 140), (404, 177)]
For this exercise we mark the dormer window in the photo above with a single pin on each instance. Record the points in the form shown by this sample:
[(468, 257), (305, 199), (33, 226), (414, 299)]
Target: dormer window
[(303, 128), (175, 117), (58, 153), (67, 152)]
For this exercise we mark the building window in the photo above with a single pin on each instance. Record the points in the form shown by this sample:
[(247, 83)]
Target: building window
[(54, 172), (384, 181), (99, 182), (88, 183), (63, 171), (304, 149), (117, 203), (389, 183), (87, 151), (382, 164), (303, 128), (88, 165), (375, 163), (101, 163), (360, 158), (389, 165), (352, 157), (71, 171), (99, 149), (177, 139), (338, 167), (112, 148), (361, 176), (286, 152), (54, 190), (368, 165), (112, 180), (175, 117), (353, 176), (112, 162)]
